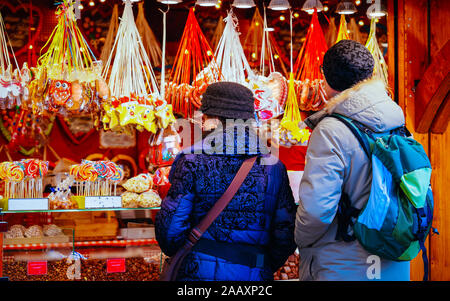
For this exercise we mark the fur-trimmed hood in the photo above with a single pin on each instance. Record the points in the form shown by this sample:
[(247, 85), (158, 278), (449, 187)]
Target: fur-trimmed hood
[(366, 102)]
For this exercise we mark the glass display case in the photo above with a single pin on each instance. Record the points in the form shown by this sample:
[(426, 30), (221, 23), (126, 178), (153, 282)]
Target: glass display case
[(80, 245)]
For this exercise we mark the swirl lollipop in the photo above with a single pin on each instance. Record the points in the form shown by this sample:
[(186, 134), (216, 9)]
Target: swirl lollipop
[(4, 166), (43, 168), (32, 167), (16, 174), (117, 177)]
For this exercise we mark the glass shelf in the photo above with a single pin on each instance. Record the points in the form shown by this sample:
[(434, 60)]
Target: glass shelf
[(78, 210)]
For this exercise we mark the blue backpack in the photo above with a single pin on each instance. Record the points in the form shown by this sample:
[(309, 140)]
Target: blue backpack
[(397, 218)]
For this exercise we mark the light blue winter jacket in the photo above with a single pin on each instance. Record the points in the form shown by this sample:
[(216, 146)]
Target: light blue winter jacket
[(336, 163)]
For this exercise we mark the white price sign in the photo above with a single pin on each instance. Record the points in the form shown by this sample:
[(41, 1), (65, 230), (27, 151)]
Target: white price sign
[(28, 204), (91, 202)]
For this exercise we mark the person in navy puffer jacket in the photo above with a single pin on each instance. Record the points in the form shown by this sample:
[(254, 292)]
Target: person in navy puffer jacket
[(254, 235)]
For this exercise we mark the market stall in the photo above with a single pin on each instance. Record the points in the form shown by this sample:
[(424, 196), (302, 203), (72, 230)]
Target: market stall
[(91, 98)]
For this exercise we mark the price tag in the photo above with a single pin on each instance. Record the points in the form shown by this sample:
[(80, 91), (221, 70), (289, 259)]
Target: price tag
[(102, 202), (28, 204), (37, 268), (115, 265)]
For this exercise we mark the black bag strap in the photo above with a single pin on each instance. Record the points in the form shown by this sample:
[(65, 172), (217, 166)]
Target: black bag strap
[(197, 232)]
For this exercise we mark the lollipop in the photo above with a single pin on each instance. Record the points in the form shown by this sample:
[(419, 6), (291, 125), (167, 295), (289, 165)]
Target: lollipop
[(101, 168), (4, 166), (15, 174), (16, 171), (43, 168), (111, 168), (32, 167)]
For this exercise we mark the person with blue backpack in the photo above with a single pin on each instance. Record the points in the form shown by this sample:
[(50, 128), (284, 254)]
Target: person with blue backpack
[(366, 204)]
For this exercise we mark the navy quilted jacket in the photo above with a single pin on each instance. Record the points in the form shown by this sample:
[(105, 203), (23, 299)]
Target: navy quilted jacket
[(262, 213)]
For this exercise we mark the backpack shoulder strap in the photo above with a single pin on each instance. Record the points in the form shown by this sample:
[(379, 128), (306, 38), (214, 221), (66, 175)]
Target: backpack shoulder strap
[(360, 131)]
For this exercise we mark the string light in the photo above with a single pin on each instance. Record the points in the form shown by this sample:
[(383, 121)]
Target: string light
[(325, 8), (80, 6), (361, 22), (282, 18), (357, 2), (91, 3), (296, 15)]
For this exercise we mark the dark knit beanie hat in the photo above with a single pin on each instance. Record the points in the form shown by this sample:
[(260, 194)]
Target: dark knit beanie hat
[(228, 100), (346, 63)]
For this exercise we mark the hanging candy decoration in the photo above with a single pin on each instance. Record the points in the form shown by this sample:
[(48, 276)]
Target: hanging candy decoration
[(194, 69), (149, 40), (290, 132), (135, 100), (258, 38), (67, 77), (309, 78), (343, 33), (380, 67), (217, 33), (112, 32), (354, 33), (331, 33), (13, 84), (270, 92), (230, 56)]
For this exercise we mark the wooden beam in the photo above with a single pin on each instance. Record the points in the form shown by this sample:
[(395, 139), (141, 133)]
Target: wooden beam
[(442, 118), (432, 89)]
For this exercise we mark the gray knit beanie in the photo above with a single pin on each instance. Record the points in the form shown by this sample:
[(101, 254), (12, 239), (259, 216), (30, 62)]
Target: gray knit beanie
[(346, 63)]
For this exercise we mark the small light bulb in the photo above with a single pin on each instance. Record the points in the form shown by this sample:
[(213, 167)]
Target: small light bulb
[(254, 55), (325, 8), (282, 18), (209, 53), (80, 6), (357, 2), (30, 47), (91, 3), (276, 56), (186, 51), (256, 23), (296, 15)]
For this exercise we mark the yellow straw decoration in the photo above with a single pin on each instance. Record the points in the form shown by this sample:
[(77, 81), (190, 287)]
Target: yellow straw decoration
[(380, 67), (291, 119)]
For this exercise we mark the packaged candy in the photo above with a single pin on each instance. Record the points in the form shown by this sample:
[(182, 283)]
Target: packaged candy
[(140, 183), (34, 231), (149, 199), (130, 200), (52, 230)]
